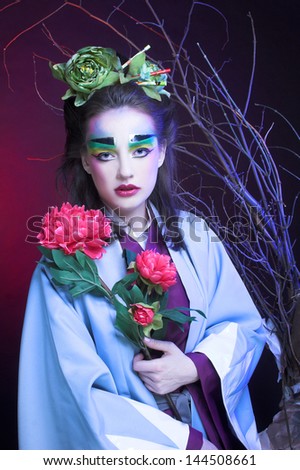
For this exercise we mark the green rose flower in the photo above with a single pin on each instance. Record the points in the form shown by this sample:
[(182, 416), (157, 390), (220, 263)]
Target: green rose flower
[(90, 69)]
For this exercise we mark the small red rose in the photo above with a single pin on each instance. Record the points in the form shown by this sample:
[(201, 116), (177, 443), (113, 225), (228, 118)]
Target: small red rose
[(143, 315)]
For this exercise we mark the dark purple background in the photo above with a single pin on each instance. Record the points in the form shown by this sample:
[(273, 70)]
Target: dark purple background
[(31, 129)]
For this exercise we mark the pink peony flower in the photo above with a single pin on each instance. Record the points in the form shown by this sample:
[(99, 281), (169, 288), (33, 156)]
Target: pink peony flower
[(156, 269), (141, 314), (73, 228)]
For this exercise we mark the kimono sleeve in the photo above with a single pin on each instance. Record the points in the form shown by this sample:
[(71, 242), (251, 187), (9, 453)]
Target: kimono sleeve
[(67, 396), (234, 335)]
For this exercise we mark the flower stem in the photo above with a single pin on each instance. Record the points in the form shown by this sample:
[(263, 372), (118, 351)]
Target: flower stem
[(173, 407), (175, 412), (107, 289)]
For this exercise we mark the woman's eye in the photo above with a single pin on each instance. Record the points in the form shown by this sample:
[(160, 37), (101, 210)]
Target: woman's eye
[(104, 156), (141, 152)]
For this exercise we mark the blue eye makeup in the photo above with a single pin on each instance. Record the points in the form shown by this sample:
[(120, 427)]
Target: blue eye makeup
[(102, 148), (141, 145)]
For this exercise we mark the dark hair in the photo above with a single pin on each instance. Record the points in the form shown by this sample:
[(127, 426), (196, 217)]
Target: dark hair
[(80, 184)]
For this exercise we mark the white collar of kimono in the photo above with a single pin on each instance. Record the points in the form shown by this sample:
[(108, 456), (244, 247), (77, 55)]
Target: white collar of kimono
[(138, 235), (135, 231)]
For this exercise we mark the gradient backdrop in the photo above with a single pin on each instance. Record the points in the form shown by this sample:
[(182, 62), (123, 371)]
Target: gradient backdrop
[(32, 133)]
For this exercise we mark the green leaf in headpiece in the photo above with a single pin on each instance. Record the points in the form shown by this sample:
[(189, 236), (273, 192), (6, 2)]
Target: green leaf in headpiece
[(81, 98), (111, 78), (68, 94), (124, 78), (58, 71), (136, 64), (151, 92)]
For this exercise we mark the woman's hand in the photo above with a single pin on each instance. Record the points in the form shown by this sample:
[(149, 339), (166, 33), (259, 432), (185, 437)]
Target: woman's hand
[(164, 375)]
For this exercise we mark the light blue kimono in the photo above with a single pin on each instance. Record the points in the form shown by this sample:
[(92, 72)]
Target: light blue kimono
[(77, 389)]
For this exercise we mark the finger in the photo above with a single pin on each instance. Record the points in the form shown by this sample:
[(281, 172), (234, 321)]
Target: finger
[(165, 346), (152, 385), (139, 357), (147, 367)]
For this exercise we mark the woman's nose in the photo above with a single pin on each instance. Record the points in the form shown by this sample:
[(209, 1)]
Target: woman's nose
[(125, 170)]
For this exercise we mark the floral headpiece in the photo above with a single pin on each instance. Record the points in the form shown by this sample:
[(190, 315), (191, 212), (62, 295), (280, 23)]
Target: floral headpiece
[(93, 68)]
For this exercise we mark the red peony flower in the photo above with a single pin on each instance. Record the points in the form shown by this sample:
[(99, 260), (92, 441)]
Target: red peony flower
[(141, 314), (73, 228), (156, 269)]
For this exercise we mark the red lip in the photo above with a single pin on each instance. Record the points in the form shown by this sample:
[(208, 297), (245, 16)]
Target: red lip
[(126, 190), (126, 187)]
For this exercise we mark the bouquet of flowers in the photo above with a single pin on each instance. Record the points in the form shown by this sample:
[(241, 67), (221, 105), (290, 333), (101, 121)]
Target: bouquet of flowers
[(72, 238)]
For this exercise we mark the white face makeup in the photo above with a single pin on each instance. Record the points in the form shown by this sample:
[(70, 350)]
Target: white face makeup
[(123, 157)]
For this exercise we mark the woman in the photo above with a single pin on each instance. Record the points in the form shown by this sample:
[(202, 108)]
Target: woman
[(82, 384)]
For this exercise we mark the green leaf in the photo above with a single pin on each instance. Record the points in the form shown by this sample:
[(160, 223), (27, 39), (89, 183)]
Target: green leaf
[(117, 63), (63, 261), (126, 324), (69, 93), (47, 252), (110, 79), (155, 306), (136, 64), (70, 263), (81, 288), (136, 295), (64, 277), (176, 316), (81, 258), (89, 262), (151, 92), (163, 301), (124, 78), (81, 98), (160, 334), (88, 275), (157, 324), (129, 256), (125, 282), (165, 92), (71, 276), (101, 292), (78, 272), (122, 292), (193, 310), (158, 289), (58, 71)]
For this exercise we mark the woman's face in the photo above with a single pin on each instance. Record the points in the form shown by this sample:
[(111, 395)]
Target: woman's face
[(123, 157)]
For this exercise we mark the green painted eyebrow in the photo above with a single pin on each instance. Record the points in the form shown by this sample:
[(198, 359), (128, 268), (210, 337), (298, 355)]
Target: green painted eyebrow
[(98, 145), (135, 140), (146, 140), (104, 140), (140, 137)]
